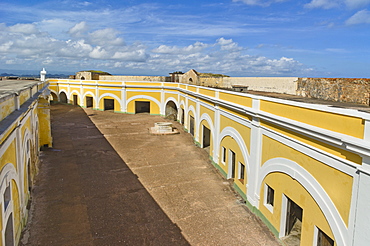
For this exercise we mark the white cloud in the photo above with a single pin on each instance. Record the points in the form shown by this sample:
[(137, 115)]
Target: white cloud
[(78, 30), (361, 17), (263, 3), (107, 36), (329, 4), (325, 4), (193, 48), (24, 28), (26, 45), (357, 3)]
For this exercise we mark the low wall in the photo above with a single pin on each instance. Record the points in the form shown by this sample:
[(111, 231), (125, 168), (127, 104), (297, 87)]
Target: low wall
[(335, 89), (135, 78), (286, 85)]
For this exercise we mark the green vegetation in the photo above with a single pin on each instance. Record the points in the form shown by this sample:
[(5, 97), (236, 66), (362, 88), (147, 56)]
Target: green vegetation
[(212, 75), (96, 71)]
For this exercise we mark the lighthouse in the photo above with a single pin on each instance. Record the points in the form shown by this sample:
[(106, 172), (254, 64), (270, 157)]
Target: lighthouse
[(42, 75)]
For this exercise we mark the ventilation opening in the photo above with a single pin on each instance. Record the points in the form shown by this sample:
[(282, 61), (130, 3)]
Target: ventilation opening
[(206, 138), (108, 104), (75, 100), (182, 119), (142, 107), (89, 102), (191, 125), (293, 223)]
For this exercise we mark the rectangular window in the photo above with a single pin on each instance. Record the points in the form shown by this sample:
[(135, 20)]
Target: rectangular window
[(223, 157), (269, 198), (7, 197), (323, 239), (241, 172)]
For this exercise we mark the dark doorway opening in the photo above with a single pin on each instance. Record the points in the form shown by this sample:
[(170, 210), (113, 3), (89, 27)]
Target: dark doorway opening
[(75, 100), (108, 104), (63, 97), (206, 138), (29, 175), (182, 119), (323, 239), (9, 237), (89, 102), (293, 223), (171, 111), (191, 125), (142, 107), (54, 98), (232, 164)]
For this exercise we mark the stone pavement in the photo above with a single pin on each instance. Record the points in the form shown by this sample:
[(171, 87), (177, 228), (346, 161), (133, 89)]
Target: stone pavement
[(107, 181)]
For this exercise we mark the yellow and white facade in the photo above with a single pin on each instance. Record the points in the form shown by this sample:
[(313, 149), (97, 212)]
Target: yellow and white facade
[(299, 166), (24, 128)]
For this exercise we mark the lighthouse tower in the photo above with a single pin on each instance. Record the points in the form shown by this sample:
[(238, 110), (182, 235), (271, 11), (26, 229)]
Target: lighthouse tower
[(42, 75)]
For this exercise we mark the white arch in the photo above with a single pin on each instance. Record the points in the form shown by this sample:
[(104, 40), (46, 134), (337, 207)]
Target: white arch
[(232, 132), (65, 92), (93, 96), (7, 174), (172, 99), (145, 97), (182, 103), (313, 187), (78, 94), (56, 93), (108, 95)]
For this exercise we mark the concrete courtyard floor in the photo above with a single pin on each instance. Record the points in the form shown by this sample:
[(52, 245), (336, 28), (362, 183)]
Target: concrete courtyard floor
[(107, 181)]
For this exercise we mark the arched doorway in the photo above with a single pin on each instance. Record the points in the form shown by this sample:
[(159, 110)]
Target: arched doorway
[(171, 111), (54, 98), (63, 97), (9, 236)]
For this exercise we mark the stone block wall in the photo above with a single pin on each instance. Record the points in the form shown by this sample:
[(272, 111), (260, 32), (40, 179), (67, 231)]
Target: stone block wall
[(335, 89), (135, 78)]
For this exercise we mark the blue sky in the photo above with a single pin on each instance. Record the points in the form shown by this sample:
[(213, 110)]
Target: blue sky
[(311, 38)]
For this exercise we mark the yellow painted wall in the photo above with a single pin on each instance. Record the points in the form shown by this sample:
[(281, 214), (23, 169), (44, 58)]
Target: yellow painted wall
[(116, 93), (7, 107), (312, 214), (207, 92), (9, 156), (24, 96), (245, 132), (168, 95), (44, 123), (349, 125), (238, 99), (316, 143), (337, 184), (154, 94), (25, 126)]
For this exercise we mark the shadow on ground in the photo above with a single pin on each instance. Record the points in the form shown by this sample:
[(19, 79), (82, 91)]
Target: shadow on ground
[(85, 194)]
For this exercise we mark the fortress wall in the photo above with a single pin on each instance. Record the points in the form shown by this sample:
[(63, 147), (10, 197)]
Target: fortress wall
[(134, 78), (286, 85), (335, 89), (276, 151)]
